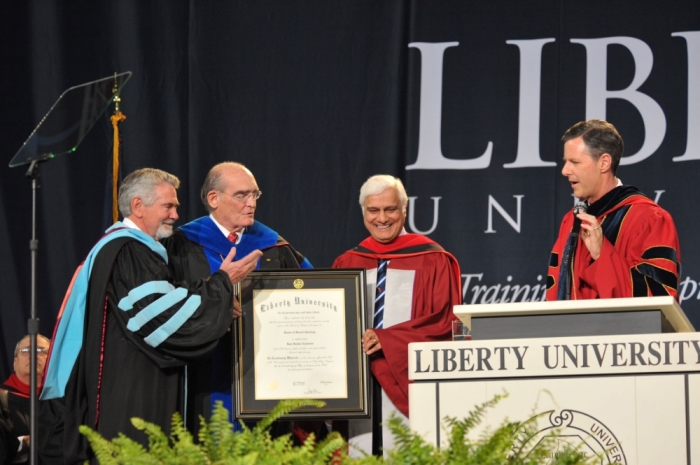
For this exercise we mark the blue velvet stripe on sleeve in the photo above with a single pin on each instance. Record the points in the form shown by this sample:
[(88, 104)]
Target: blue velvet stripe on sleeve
[(175, 322), (155, 308), (144, 290), (171, 296)]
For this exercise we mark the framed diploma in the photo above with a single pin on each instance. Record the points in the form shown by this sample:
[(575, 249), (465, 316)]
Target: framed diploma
[(299, 338)]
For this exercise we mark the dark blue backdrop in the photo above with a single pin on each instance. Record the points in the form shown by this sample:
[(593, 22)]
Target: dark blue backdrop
[(315, 96)]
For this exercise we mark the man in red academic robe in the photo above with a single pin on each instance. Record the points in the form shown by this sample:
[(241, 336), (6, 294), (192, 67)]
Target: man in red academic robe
[(18, 393), (412, 302), (623, 244)]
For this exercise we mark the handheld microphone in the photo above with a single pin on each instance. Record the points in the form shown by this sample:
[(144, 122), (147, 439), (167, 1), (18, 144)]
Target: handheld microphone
[(580, 207)]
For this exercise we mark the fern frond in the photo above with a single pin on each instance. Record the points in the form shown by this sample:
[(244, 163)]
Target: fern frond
[(284, 407)]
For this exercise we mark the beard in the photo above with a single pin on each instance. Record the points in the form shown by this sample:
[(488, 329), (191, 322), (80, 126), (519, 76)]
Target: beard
[(165, 230)]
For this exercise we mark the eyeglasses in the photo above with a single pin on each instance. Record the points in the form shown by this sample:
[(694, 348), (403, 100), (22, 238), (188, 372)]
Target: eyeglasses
[(244, 196), (39, 350)]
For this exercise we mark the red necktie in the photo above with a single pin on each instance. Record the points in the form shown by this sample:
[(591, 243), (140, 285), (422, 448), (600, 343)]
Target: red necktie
[(233, 237)]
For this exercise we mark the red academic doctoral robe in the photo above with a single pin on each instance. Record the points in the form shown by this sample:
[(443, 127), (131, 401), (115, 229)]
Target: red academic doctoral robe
[(436, 289), (14, 385), (640, 255)]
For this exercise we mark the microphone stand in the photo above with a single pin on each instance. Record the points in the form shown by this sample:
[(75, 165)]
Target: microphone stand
[(573, 241), (62, 129), (580, 207), (33, 322)]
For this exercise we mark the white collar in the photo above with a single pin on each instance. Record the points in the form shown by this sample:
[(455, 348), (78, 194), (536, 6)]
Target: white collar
[(225, 231), (130, 224)]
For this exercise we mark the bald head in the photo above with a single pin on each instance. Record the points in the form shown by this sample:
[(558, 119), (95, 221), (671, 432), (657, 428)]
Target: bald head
[(23, 357), (230, 194)]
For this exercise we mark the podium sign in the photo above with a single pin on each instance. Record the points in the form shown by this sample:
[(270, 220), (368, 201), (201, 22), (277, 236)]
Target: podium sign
[(627, 398), (551, 356), (630, 399)]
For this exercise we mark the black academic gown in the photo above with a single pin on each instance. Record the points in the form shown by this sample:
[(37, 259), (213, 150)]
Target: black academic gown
[(119, 373), (188, 263)]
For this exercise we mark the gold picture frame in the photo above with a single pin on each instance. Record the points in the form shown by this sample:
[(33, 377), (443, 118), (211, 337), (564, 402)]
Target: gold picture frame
[(300, 337)]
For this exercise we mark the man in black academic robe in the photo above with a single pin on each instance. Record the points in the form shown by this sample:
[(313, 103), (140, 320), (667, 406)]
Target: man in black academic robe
[(127, 329)]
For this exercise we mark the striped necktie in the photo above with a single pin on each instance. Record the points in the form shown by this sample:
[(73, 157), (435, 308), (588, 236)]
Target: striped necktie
[(381, 290), (233, 237)]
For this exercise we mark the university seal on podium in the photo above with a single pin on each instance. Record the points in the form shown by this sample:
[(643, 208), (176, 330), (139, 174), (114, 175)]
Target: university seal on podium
[(571, 430)]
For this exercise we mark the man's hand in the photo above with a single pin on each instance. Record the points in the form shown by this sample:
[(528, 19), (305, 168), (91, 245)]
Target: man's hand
[(370, 342), (237, 312), (591, 234), (23, 453), (238, 270)]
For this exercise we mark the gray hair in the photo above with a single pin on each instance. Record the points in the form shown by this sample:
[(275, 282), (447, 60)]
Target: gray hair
[(142, 183), (214, 180), (25, 337), (377, 184)]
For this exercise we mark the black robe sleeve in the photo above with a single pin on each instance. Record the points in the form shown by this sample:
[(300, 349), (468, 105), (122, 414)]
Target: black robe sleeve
[(170, 321)]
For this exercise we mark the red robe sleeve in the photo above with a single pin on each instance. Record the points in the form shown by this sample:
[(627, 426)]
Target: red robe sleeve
[(643, 262)]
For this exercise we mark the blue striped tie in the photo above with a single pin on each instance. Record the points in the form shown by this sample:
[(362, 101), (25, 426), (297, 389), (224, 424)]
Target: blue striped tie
[(381, 290)]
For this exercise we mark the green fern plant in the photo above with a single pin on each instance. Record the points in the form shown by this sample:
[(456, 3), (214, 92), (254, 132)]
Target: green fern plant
[(502, 446), (218, 444)]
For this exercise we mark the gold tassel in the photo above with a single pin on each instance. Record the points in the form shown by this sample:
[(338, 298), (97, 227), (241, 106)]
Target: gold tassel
[(116, 118)]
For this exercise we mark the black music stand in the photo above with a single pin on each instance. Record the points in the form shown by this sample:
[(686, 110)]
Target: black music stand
[(60, 131)]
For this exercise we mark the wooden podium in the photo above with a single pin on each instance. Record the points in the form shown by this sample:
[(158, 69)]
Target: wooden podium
[(619, 378)]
